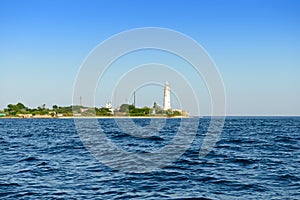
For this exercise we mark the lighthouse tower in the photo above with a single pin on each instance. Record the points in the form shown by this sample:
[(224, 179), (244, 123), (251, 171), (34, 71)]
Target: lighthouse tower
[(167, 97)]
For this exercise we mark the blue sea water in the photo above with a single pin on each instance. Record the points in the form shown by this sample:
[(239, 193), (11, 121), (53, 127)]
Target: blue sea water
[(255, 158)]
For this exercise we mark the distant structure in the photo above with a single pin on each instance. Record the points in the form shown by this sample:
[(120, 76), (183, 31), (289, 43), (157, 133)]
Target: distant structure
[(134, 98), (167, 97), (108, 106)]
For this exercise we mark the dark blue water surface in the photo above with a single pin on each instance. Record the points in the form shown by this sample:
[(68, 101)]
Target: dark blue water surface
[(255, 158)]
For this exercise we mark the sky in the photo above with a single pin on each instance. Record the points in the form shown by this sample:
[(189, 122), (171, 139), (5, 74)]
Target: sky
[(255, 45)]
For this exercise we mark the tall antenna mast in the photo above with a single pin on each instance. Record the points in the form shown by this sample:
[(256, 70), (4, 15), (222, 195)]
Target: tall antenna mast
[(134, 98), (80, 101)]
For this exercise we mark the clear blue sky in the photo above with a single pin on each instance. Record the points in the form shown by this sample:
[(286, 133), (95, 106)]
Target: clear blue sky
[(254, 43)]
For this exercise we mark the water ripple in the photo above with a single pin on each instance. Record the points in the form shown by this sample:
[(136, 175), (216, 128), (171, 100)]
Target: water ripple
[(255, 158)]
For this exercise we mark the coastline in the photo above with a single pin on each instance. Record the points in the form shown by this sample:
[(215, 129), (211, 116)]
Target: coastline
[(100, 117)]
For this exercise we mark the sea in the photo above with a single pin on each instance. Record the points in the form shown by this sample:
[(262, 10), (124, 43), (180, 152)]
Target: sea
[(253, 158)]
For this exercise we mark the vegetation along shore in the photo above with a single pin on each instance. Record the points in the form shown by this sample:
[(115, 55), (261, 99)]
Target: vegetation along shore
[(19, 110)]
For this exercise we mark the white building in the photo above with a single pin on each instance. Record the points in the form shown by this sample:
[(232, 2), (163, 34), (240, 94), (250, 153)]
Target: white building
[(108, 105), (167, 97)]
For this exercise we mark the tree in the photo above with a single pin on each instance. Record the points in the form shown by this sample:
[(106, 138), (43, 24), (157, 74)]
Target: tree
[(19, 108), (157, 109), (133, 111), (176, 113), (103, 111), (124, 108)]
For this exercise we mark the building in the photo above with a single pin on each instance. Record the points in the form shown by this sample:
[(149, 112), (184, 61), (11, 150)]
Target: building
[(25, 115), (108, 106), (167, 97), (182, 112)]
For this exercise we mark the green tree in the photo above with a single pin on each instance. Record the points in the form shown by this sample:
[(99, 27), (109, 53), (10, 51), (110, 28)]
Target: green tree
[(176, 113), (19, 108), (133, 111), (103, 111), (124, 107), (154, 105), (157, 109)]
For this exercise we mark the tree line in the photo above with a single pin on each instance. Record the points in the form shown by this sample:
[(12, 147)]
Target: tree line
[(20, 109)]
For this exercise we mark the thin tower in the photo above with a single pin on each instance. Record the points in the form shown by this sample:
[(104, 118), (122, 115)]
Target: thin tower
[(134, 98), (167, 97)]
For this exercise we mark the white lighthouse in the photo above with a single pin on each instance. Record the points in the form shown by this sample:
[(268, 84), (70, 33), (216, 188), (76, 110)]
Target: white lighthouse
[(167, 97)]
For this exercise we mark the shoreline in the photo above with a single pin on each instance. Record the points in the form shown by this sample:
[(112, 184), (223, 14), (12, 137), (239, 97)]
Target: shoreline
[(100, 117)]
